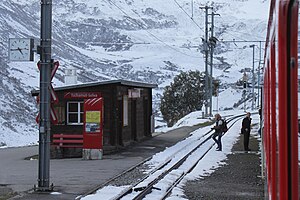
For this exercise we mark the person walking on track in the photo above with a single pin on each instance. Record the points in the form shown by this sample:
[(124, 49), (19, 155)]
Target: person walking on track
[(218, 131), (246, 126)]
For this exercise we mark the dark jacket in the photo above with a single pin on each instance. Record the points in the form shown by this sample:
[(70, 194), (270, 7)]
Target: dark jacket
[(246, 125), (219, 126)]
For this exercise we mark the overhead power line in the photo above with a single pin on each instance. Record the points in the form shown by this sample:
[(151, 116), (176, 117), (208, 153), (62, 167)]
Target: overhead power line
[(191, 18), (115, 43), (142, 26), (232, 35), (241, 41), (244, 33)]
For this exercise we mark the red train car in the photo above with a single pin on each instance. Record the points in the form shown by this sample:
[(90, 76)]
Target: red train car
[(280, 101)]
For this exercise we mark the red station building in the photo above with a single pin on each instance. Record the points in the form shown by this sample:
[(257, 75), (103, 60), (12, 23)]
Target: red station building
[(108, 115)]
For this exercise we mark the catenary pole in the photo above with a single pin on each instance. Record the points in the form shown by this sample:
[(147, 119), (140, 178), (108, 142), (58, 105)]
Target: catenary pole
[(45, 78), (206, 61), (245, 83), (213, 42), (211, 63), (258, 80), (206, 51), (253, 77)]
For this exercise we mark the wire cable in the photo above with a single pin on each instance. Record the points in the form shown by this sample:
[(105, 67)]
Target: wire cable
[(244, 33), (191, 18), (142, 26)]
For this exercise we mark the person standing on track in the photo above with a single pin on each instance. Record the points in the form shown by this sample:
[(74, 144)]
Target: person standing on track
[(218, 131), (246, 126)]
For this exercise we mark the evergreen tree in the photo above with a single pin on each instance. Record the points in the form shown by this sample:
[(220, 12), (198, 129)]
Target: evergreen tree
[(183, 96)]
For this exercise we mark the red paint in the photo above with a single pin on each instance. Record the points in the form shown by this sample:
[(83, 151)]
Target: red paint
[(281, 101), (93, 124)]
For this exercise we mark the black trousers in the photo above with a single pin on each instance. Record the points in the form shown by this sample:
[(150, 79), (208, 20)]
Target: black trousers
[(246, 140)]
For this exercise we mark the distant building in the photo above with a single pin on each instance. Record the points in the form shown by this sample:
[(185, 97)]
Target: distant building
[(127, 112)]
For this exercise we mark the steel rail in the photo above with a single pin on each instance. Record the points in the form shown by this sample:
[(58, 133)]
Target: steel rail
[(163, 164), (177, 181), (147, 189)]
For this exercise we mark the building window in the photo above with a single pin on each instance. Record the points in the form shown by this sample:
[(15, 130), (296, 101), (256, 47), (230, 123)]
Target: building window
[(125, 110), (75, 113)]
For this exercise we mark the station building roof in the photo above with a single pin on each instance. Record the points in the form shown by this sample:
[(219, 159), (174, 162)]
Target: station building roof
[(99, 83)]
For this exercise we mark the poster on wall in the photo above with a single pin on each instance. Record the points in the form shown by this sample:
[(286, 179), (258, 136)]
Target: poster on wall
[(92, 121)]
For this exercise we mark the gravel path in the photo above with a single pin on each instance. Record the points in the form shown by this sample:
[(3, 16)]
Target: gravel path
[(238, 179)]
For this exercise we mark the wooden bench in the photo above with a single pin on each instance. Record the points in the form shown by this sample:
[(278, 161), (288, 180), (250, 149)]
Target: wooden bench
[(67, 140)]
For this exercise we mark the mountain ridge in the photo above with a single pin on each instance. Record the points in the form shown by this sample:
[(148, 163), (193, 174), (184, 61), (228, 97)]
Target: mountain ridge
[(135, 40)]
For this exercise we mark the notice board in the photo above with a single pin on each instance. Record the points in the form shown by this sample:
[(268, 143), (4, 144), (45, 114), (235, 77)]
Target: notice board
[(93, 123)]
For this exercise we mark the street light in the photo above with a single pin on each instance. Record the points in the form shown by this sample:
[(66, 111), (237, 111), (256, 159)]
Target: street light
[(253, 94)]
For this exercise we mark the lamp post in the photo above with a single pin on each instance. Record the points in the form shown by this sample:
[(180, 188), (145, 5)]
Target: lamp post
[(253, 83)]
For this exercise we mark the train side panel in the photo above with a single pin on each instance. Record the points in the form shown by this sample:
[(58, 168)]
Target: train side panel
[(280, 108), (293, 47)]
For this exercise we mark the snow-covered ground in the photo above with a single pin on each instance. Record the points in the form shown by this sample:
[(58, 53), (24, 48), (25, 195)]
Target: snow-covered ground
[(166, 42), (211, 161)]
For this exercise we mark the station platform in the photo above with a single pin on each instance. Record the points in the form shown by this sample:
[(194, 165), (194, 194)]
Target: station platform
[(239, 179), (73, 177)]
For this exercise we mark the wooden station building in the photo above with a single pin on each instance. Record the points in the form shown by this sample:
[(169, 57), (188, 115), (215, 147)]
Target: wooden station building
[(127, 112)]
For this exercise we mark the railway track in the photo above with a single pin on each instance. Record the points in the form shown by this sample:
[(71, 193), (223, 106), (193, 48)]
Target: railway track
[(172, 170)]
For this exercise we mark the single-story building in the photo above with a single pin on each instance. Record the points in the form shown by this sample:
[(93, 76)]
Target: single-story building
[(127, 113)]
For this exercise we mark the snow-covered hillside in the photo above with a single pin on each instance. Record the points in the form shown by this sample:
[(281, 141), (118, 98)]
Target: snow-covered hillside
[(141, 40)]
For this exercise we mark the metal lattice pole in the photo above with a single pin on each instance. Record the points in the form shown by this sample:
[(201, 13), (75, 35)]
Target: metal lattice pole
[(213, 42), (206, 61), (206, 50)]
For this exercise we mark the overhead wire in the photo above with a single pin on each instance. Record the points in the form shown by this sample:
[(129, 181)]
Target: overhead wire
[(235, 31), (235, 36), (147, 43), (225, 23), (141, 26), (191, 18), (198, 25)]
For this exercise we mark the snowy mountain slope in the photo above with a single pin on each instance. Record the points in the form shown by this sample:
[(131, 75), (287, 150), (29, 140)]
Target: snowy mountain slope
[(139, 40)]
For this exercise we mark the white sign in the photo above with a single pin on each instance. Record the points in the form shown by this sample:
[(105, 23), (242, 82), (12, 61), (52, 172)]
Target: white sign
[(134, 93)]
